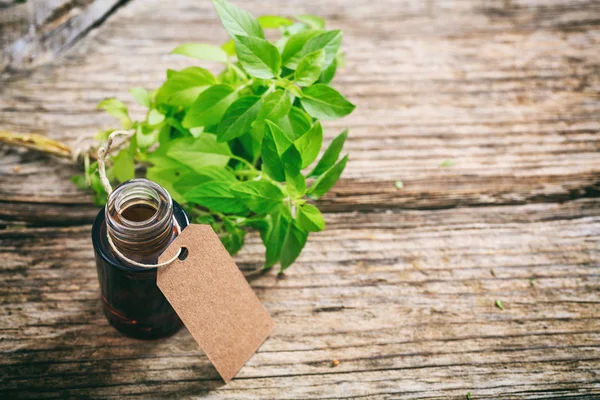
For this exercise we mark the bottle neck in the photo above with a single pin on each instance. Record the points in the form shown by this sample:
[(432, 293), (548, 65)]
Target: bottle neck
[(139, 220)]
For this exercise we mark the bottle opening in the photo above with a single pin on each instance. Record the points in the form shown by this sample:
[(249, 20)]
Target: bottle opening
[(139, 219)]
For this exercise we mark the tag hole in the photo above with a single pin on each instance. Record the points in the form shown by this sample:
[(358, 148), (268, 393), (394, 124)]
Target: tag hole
[(183, 253)]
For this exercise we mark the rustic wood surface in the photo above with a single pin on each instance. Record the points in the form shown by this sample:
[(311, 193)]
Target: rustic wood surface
[(401, 286)]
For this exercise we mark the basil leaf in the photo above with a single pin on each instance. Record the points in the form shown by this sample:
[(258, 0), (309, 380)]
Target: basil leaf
[(201, 51), (280, 221), (295, 183), (183, 87), (210, 106), (123, 166), (233, 239), (295, 44), (282, 141), (324, 102), (312, 21), (309, 144), (261, 224), (279, 154), (326, 181), (329, 41), (258, 57), (296, 123), (259, 196), (216, 196), (309, 68), (200, 175), (331, 154), (271, 153), (199, 152), (141, 96), (294, 242), (238, 118), (229, 48), (165, 171), (275, 106), (329, 72), (273, 21), (145, 137), (155, 117), (237, 21), (309, 218), (118, 109)]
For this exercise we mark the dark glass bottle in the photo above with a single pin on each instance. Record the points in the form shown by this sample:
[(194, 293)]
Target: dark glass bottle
[(139, 217)]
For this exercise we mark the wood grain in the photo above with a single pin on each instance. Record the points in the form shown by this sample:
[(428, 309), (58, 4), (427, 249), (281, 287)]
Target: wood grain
[(401, 286)]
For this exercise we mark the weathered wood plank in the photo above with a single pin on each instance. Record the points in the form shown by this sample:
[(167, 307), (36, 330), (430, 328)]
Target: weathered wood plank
[(404, 300), (35, 32)]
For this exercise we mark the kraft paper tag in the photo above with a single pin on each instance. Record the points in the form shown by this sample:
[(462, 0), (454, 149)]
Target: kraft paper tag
[(213, 299)]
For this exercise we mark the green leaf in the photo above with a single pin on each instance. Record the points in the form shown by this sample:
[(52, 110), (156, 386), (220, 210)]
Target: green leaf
[(261, 224), (309, 68), (155, 117), (309, 218), (183, 87), (292, 246), (329, 42), (200, 175), (295, 183), (280, 221), (447, 163), (328, 73), (233, 239), (123, 166), (201, 51), (142, 96), (196, 131), (258, 57), (324, 102), (210, 106), (165, 171), (229, 48), (296, 123), (118, 109), (326, 181), (499, 304), (237, 22), (145, 139), (275, 144), (399, 185), (331, 154), (238, 118), (216, 196), (282, 141), (259, 196), (275, 106), (309, 144), (312, 21), (273, 21), (199, 152), (295, 44)]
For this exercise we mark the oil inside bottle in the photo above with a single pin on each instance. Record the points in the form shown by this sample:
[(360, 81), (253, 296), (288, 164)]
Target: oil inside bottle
[(139, 212)]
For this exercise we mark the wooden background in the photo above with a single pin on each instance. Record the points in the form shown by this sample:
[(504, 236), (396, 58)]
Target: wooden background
[(401, 286)]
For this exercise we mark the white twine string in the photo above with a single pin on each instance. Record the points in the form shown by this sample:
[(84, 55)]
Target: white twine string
[(102, 152)]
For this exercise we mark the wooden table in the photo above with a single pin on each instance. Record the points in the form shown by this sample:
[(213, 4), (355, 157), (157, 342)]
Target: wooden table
[(401, 286)]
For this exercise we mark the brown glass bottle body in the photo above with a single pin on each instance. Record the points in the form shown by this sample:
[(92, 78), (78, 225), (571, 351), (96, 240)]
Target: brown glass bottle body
[(140, 219)]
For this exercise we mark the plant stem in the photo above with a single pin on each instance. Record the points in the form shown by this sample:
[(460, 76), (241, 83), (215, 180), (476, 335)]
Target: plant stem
[(36, 142), (243, 160)]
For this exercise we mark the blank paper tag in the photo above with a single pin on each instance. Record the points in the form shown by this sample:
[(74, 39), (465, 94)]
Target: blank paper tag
[(213, 299)]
